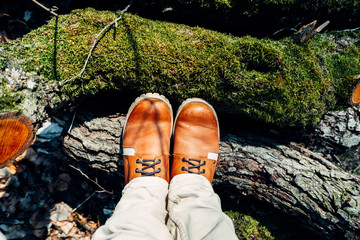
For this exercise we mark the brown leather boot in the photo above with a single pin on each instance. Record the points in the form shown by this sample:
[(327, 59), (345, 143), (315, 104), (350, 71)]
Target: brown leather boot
[(146, 137), (196, 139)]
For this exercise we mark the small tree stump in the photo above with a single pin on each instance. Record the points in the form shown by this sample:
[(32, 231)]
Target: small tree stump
[(16, 135)]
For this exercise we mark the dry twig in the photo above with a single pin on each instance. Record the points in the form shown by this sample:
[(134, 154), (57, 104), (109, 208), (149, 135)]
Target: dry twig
[(350, 30), (72, 122), (87, 199), (104, 190), (51, 10), (98, 36)]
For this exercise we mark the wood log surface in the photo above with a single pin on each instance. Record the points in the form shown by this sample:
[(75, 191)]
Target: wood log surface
[(281, 172), (294, 179)]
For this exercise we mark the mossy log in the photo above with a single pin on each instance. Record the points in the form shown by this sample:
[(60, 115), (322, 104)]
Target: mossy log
[(276, 82), (288, 176)]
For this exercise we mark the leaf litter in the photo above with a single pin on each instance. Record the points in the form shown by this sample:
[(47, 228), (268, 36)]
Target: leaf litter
[(48, 195)]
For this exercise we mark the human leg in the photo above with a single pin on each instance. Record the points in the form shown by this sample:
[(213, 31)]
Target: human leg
[(194, 208), (141, 212)]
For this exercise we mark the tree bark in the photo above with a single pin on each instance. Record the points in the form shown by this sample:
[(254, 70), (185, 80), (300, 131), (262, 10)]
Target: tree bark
[(295, 180), (290, 177), (95, 140)]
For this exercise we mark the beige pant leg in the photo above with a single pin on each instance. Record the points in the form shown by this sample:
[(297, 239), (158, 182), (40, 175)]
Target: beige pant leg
[(140, 213), (195, 210)]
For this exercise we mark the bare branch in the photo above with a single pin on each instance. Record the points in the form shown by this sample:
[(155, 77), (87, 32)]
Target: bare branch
[(91, 179), (87, 199), (294, 29), (304, 33), (322, 26), (72, 122), (350, 30), (81, 74), (47, 9)]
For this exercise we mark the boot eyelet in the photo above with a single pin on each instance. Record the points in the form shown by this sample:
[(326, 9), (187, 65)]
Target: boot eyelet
[(137, 161), (159, 160), (136, 170), (182, 169), (183, 159)]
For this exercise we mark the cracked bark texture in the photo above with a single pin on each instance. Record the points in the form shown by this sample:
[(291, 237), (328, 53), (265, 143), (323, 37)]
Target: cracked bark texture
[(96, 140), (287, 175), (295, 180)]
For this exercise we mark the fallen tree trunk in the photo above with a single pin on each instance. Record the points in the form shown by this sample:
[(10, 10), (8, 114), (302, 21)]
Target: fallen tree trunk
[(295, 180), (290, 177)]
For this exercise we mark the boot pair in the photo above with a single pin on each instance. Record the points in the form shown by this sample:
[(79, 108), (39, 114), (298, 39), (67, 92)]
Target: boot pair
[(147, 135)]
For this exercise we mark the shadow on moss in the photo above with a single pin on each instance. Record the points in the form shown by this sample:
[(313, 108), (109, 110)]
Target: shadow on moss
[(257, 220), (248, 228)]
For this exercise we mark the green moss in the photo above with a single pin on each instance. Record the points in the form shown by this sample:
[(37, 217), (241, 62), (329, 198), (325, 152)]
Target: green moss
[(9, 51), (277, 82), (341, 64), (3, 61), (343, 34), (248, 228), (9, 100)]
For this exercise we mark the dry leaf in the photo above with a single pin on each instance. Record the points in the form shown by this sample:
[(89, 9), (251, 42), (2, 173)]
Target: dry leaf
[(60, 212), (10, 204), (12, 168), (16, 232), (67, 227), (62, 182), (39, 232)]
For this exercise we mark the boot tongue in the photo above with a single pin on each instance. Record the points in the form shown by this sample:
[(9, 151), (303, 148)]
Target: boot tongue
[(129, 151), (213, 156)]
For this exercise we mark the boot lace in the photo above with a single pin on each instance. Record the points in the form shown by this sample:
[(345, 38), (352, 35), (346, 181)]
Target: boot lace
[(148, 164), (194, 164)]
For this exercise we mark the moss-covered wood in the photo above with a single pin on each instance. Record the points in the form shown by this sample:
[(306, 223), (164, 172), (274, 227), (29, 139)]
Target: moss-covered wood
[(276, 82)]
